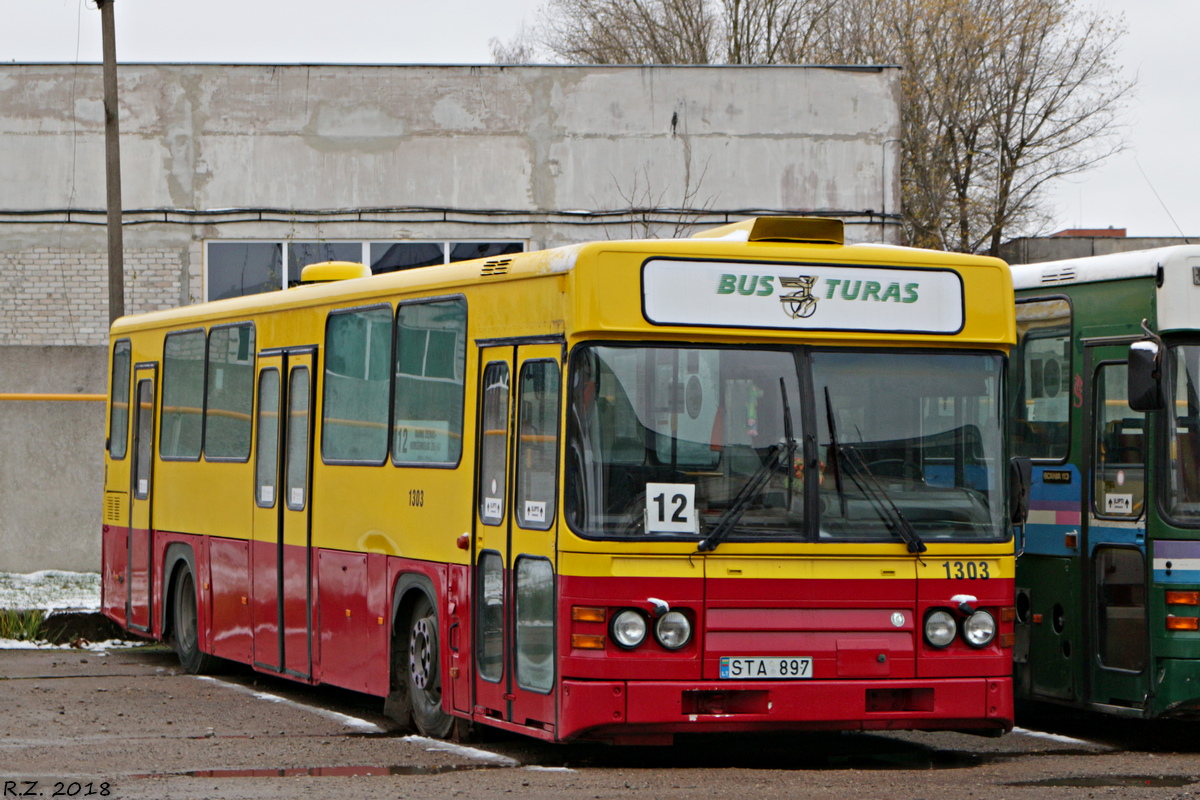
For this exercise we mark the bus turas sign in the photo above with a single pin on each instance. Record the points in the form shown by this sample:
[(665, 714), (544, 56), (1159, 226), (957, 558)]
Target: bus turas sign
[(802, 296)]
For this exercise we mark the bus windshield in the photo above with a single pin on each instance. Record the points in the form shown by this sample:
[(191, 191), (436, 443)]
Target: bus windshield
[(709, 443), (1183, 431), (909, 440)]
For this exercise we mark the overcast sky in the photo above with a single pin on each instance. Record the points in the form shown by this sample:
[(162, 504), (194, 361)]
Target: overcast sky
[(1152, 189)]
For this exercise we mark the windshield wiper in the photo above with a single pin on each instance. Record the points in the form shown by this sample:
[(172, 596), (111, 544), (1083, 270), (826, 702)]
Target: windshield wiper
[(834, 447), (869, 485), (742, 501), (784, 452)]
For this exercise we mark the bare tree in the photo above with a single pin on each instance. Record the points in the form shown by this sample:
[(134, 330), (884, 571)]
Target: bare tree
[(1000, 97)]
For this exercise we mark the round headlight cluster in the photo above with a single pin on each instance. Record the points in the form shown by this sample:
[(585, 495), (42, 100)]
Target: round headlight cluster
[(628, 628), (978, 630), (673, 630)]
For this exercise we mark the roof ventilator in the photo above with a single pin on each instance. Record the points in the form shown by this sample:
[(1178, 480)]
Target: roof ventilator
[(495, 266)]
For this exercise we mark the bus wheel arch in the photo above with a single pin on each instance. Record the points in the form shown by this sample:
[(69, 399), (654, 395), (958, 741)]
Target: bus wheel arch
[(181, 608), (416, 688)]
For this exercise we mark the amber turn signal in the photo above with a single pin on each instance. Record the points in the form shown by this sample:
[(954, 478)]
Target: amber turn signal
[(587, 641), (1183, 623), (1183, 598), (587, 614)]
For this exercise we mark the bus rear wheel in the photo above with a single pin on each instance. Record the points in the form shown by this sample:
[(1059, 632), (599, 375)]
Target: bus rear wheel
[(186, 626), (424, 672)]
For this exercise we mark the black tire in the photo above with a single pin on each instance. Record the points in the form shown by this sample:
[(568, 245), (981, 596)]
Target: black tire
[(185, 626), (424, 674)]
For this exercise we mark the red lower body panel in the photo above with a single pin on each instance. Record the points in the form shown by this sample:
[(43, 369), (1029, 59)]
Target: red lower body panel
[(614, 709)]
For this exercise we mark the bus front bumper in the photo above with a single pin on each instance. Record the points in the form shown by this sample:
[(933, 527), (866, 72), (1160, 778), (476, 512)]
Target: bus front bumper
[(613, 710)]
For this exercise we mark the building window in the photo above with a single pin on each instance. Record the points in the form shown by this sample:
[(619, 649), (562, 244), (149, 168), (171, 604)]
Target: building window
[(236, 269)]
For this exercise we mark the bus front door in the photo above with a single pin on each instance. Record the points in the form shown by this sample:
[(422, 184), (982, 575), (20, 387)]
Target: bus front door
[(139, 567), (516, 532), (1115, 535), (281, 562)]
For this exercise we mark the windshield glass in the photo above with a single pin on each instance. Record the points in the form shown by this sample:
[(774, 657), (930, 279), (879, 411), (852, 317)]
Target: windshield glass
[(1183, 406), (909, 442), (694, 443), (663, 441)]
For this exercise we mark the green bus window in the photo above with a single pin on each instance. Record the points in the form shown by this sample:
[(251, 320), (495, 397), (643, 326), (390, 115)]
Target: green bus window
[(1120, 447), (118, 426), (535, 624), (431, 346), (1183, 431), (1042, 380), (537, 445), (182, 396), (358, 349), (1121, 595), (230, 398)]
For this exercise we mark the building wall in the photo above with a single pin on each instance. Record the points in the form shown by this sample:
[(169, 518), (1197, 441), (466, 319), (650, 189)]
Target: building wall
[(52, 459), (1035, 250), (214, 153)]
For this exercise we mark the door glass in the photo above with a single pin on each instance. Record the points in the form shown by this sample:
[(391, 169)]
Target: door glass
[(537, 445), (118, 428), (267, 448), (493, 446), (1121, 607), (145, 442), (297, 439), (489, 643), (535, 624), (1120, 457)]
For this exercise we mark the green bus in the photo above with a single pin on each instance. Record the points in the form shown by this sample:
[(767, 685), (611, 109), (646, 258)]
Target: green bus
[(1106, 388)]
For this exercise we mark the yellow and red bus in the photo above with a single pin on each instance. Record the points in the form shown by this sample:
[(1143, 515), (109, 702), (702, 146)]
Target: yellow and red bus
[(752, 480)]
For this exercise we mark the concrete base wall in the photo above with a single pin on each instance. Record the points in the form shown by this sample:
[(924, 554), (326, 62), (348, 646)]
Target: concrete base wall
[(51, 459)]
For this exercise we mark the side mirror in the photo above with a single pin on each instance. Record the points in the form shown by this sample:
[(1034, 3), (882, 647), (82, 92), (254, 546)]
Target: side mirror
[(1145, 376), (1020, 480)]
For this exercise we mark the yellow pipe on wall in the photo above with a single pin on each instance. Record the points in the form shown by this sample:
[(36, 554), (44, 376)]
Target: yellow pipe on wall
[(53, 397)]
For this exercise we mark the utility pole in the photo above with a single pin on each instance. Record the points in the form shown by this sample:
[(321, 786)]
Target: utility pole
[(112, 161)]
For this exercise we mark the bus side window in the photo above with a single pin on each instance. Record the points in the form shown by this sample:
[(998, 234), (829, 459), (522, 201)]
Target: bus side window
[(1041, 365)]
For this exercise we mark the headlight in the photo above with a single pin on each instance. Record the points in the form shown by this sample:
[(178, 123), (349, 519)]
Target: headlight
[(979, 629), (940, 628), (628, 628), (673, 630)]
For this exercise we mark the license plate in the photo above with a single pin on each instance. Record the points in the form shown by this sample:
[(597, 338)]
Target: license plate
[(765, 667)]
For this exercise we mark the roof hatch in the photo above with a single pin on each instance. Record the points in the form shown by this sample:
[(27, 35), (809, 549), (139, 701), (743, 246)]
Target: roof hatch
[(813, 230), (327, 271)]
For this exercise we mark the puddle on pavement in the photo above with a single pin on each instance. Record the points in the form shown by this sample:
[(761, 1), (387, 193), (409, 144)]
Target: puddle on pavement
[(1100, 781), (322, 772)]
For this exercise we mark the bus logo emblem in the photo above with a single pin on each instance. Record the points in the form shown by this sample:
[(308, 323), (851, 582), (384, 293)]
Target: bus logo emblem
[(799, 304)]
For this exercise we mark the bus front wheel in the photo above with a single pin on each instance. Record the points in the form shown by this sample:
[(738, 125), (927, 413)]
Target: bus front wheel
[(186, 626), (424, 672)]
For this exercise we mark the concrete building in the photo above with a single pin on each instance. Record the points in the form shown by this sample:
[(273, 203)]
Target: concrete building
[(234, 177), (1081, 243)]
